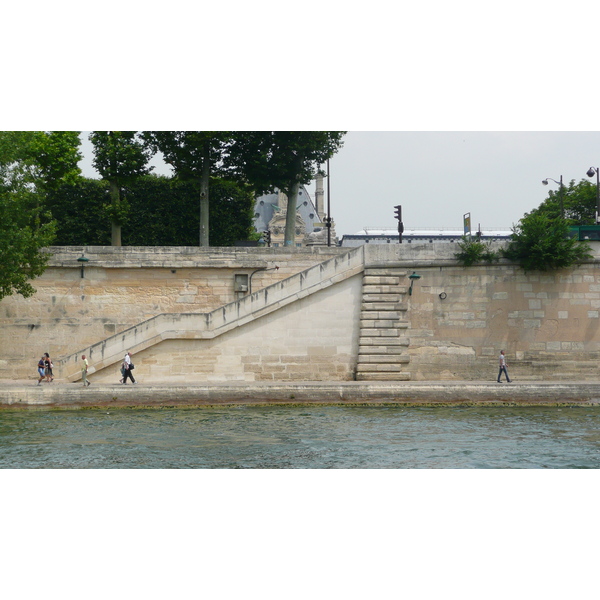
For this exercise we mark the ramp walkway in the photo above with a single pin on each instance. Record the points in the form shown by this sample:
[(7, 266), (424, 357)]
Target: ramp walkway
[(109, 351)]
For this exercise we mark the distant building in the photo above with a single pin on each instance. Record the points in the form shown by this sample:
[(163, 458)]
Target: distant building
[(390, 236), (270, 212)]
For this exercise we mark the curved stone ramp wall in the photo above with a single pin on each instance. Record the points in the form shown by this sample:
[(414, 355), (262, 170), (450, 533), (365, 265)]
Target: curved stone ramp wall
[(111, 350)]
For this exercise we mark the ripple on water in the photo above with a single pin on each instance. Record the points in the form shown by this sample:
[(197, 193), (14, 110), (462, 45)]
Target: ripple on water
[(297, 438)]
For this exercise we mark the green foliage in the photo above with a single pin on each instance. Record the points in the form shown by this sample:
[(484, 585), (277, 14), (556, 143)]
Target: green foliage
[(190, 152), (163, 211), (540, 243), (278, 159), (56, 154), (39, 159), (473, 250), (80, 211), (579, 202), (195, 156), (120, 156), (284, 160), (24, 230), (31, 164)]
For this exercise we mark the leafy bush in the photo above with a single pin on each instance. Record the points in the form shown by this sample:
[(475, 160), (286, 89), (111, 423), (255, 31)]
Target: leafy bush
[(540, 243), (473, 250)]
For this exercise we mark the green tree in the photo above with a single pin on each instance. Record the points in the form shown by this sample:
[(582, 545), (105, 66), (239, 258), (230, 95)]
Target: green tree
[(25, 228), (579, 203), (542, 243), (194, 156), (119, 157), (55, 155), (284, 160)]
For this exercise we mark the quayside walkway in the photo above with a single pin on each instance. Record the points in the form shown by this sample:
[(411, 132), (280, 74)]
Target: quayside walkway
[(26, 394)]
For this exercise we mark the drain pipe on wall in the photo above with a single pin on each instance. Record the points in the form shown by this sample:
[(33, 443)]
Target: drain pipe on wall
[(275, 268)]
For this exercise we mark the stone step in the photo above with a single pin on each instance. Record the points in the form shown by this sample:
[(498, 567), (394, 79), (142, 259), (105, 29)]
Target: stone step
[(383, 377), (380, 280), (383, 297), (383, 341), (378, 368), (384, 306), (398, 272), (377, 323), (392, 332), (383, 359), (382, 314), (397, 325), (384, 289), (395, 350)]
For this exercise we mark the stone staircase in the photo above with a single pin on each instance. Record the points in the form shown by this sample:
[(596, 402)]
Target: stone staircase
[(383, 343)]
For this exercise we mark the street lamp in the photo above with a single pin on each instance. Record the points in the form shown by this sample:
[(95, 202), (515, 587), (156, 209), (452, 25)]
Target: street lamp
[(560, 195), (590, 173), (82, 260)]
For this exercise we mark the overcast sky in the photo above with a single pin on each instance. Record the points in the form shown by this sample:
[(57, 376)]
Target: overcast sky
[(437, 177)]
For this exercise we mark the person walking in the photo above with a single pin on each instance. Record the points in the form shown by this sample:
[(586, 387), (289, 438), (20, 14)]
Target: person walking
[(49, 366), (41, 367), (503, 365), (127, 368), (84, 370)]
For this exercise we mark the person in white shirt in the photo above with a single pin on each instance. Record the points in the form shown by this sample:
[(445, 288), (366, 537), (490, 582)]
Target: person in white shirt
[(127, 367), (503, 365)]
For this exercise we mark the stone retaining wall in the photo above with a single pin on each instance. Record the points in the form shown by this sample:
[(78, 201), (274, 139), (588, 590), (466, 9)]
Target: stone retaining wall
[(315, 324), (124, 286)]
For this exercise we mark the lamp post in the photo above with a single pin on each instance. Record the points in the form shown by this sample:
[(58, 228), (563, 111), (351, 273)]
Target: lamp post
[(412, 278), (82, 260), (328, 221), (590, 173), (560, 193)]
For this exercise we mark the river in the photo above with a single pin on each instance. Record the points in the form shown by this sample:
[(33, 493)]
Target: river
[(296, 437)]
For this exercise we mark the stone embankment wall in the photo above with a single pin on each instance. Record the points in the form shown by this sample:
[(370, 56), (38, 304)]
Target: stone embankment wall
[(325, 314), (460, 318), (125, 286)]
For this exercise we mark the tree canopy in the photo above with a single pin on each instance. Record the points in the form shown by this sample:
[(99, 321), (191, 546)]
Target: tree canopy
[(119, 157), (579, 201), (194, 156), (541, 241), (284, 160), (32, 163)]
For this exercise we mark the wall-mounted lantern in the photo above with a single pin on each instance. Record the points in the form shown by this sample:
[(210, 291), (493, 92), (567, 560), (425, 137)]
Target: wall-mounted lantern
[(412, 278), (82, 259)]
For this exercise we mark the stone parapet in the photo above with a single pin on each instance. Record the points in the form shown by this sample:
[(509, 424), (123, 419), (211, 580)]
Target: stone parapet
[(130, 257), (404, 393)]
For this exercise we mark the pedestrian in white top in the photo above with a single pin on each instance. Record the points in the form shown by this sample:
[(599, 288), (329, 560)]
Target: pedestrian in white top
[(503, 365), (127, 368)]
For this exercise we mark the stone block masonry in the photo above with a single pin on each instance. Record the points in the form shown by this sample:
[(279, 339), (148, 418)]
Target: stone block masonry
[(125, 286), (382, 346), (193, 330), (325, 314)]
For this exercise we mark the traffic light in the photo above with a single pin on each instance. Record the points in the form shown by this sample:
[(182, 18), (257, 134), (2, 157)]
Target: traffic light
[(398, 215), (267, 237)]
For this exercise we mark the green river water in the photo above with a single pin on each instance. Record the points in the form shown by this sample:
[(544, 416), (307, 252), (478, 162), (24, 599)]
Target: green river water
[(330, 437)]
